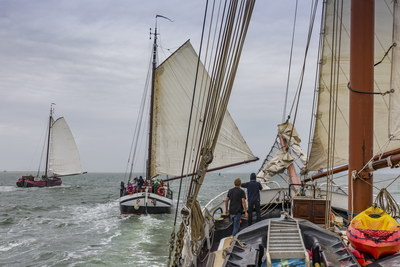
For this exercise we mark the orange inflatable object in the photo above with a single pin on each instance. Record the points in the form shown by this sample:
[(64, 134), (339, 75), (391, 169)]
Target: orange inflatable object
[(363, 258), (374, 232)]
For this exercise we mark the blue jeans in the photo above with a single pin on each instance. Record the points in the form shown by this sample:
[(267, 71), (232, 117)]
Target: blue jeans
[(236, 223)]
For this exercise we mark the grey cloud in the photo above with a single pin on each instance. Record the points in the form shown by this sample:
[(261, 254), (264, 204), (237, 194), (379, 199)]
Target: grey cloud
[(91, 58)]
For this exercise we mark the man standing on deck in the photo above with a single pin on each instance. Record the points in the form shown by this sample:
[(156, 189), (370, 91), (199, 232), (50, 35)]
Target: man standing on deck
[(140, 183), (236, 200), (253, 196)]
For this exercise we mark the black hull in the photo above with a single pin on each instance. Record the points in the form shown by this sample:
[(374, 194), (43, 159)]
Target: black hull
[(144, 210)]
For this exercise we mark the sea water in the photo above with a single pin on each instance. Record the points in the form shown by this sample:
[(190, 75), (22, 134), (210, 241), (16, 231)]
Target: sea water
[(79, 223)]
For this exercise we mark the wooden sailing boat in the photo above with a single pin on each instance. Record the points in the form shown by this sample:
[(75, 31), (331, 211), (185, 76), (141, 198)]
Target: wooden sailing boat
[(62, 156), (170, 103), (353, 43)]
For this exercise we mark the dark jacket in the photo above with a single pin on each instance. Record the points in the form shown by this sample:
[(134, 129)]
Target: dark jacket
[(253, 189)]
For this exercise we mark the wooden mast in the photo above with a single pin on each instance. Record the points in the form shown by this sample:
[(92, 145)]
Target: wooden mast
[(361, 104), (153, 76), (48, 141)]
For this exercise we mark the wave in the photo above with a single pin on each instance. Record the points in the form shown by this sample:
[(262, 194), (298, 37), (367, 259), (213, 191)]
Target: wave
[(8, 188), (13, 244), (7, 221)]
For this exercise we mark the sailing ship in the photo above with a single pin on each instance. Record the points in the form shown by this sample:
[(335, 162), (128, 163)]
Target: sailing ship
[(171, 100), (62, 156), (305, 222)]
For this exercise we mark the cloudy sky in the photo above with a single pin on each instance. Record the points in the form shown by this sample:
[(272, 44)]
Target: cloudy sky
[(90, 57)]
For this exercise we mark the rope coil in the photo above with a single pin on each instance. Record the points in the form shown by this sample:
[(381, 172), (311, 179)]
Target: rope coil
[(385, 201)]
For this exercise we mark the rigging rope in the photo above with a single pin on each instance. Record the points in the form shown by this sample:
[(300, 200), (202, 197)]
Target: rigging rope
[(387, 203), (333, 107), (136, 133), (386, 53), (300, 85), (188, 131), (41, 154), (224, 60), (290, 63), (316, 84), (370, 93)]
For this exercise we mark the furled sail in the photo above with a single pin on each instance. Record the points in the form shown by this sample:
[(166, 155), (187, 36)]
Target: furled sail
[(174, 85), (64, 156), (278, 160), (332, 77)]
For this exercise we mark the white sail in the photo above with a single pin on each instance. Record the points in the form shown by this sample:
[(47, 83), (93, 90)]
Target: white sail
[(327, 82), (395, 83), (64, 156), (174, 85)]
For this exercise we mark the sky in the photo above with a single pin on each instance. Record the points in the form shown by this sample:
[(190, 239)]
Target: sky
[(90, 57)]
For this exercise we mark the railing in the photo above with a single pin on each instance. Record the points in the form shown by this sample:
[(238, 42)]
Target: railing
[(225, 192), (215, 198), (338, 187)]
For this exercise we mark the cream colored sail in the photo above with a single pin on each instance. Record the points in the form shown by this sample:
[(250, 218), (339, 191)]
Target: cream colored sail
[(383, 40), (64, 156), (395, 83), (174, 83)]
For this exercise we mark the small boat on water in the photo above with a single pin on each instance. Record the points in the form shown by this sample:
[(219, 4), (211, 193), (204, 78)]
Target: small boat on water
[(62, 156), (171, 94)]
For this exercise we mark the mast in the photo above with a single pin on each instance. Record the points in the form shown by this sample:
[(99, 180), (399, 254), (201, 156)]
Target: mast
[(153, 76), (361, 104), (48, 140), (294, 179)]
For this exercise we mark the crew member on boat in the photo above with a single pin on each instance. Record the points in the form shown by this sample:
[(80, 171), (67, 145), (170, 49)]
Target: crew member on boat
[(122, 189), (140, 183), (236, 200), (156, 185), (253, 197)]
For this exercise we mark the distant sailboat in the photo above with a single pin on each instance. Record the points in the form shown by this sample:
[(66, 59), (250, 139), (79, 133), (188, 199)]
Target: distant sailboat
[(171, 96), (62, 156)]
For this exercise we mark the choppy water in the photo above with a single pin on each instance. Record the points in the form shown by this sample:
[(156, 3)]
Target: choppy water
[(79, 224)]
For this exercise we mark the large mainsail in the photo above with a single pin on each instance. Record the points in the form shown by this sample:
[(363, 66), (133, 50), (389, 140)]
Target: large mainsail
[(64, 156), (384, 139), (173, 97), (394, 126)]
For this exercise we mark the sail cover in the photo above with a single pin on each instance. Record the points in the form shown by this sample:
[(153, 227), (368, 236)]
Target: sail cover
[(174, 84), (64, 156), (383, 139)]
